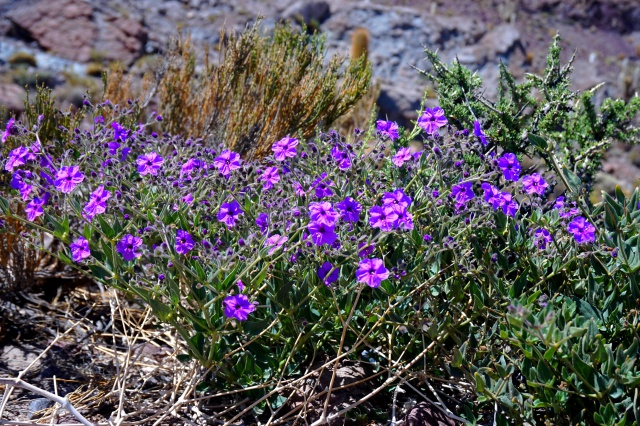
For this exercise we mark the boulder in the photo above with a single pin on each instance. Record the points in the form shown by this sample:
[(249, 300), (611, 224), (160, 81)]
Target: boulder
[(315, 12), (12, 97), (119, 38), (61, 26), (73, 30)]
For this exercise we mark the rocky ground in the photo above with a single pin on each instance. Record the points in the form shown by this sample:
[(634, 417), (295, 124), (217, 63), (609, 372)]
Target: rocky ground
[(64, 42)]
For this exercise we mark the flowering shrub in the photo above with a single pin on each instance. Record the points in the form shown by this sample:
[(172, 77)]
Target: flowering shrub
[(450, 264)]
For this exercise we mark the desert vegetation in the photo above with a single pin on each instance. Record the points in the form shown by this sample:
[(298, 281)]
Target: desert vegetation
[(300, 274)]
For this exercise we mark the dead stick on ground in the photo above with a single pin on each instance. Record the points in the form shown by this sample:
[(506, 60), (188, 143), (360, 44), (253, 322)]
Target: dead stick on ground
[(9, 389), (64, 402)]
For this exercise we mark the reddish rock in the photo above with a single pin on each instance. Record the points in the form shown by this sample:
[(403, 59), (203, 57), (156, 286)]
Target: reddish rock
[(119, 38), (12, 97), (73, 30), (426, 414), (61, 26)]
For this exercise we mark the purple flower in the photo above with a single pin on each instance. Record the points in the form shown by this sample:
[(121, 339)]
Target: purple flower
[(350, 209), (80, 249), (67, 178), (371, 272), (18, 157), (120, 132), (100, 195), (432, 119), (113, 147), (382, 217), (299, 189), (565, 212), (463, 192), (396, 198), (582, 231), (508, 204), (323, 212), (322, 233), (341, 157), (240, 285), (479, 133), (25, 191), (323, 271), (388, 128), (184, 242), (323, 186), (227, 162), (534, 184), (93, 208), (285, 147), (190, 164), (129, 247), (17, 182), (403, 155), (405, 219), (238, 307), (492, 195), (34, 208), (510, 166), (149, 164), (263, 222), (270, 177), (275, 242), (188, 199), (542, 237), (8, 129), (229, 213), (428, 238), (365, 249)]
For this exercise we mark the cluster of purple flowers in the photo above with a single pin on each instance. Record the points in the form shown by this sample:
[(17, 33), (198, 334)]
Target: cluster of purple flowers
[(325, 215), (323, 223), (342, 157), (393, 214), (500, 200)]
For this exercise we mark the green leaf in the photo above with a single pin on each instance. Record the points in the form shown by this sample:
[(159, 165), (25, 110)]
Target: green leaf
[(4, 205), (544, 373), (106, 228), (87, 232), (162, 311), (480, 384), (572, 179), (538, 141)]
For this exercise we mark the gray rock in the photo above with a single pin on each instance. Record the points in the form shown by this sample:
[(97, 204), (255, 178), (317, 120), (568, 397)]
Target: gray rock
[(36, 405), (501, 39), (308, 12)]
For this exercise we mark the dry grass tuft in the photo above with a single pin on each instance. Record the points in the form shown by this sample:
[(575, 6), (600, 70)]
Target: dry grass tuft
[(262, 89)]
